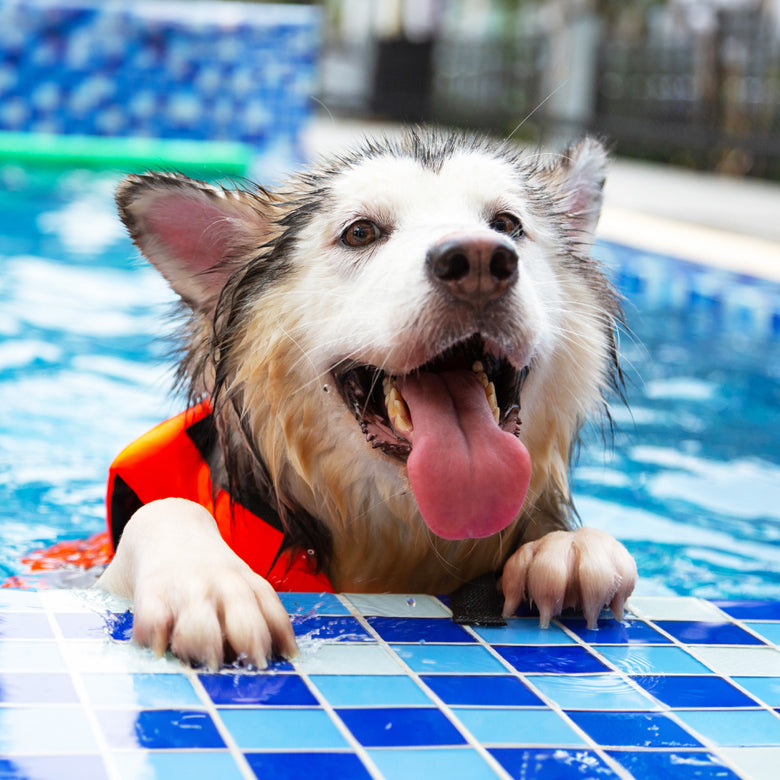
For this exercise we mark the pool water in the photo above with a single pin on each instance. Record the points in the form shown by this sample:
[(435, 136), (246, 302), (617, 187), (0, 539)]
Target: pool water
[(690, 481)]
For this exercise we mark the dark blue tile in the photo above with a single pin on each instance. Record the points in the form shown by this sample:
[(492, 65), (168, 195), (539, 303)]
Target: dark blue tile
[(52, 768), (293, 766), (551, 763), (750, 610), (268, 689), (37, 688), (694, 632), (338, 628), (487, 689), (159, 729), (560, 660), (692, 691), (633, 729), (119, 625), (442, 630), (676, 765), (25, 625), (400, 727), (613, 632)]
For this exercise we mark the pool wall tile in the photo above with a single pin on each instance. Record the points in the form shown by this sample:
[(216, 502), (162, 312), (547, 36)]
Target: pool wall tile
[(372, 695)]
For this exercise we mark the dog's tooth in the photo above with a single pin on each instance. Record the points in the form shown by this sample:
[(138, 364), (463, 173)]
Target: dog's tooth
[(477, 367), (490, 392), (399, 416)]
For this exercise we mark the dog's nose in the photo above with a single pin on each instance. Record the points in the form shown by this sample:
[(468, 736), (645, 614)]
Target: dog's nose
[(475, 269)]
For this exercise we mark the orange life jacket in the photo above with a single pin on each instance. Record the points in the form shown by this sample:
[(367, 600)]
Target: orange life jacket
[(169, 462)]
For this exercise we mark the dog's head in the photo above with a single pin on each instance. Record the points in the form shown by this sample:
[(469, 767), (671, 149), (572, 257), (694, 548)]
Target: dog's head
[(437, 288)]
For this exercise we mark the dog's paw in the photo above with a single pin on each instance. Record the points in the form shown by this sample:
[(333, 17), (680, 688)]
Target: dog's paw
[(222, 611), (586, 568)]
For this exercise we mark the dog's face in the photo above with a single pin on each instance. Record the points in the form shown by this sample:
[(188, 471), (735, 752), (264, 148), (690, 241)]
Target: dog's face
[(423, 311)]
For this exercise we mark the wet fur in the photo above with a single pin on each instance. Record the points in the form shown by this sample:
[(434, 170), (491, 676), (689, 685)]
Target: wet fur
[(283, 303)]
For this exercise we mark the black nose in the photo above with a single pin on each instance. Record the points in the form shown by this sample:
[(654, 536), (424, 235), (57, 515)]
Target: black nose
[(476, 269)]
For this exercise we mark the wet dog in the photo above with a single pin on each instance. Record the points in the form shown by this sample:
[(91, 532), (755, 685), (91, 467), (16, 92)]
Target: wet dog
[(399, 346)]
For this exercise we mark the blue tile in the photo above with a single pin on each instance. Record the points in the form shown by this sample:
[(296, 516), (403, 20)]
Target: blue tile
[(501, 726), (64, 767), (614, 632), (419, 630), (159, 729), (37, 688), (560, 660), (378, 690), (293, 766), (591, 692), (312, 604), (765, 688), (552, 763), (750, 610), (164, 765), (287, 729), (688, 691), (119, 625), (735, 728), (633, 729), (452, 763), (458, 659), (769, 630), (523, 631), (265, 689), (140, 691), (25, 625), (649, 659), (338, 628), (495, 690), (676, 765), (400, 727), (694, 632)]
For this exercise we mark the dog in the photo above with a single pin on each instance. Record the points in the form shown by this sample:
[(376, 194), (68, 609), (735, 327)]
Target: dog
[(398, 347)]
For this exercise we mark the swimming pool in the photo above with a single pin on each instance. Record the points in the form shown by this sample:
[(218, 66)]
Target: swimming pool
[(691, 482)]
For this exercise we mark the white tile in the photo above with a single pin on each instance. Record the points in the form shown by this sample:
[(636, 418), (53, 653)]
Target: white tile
[(674, 608), (398, 605), (758, 763), (108, 656), (739, 661)]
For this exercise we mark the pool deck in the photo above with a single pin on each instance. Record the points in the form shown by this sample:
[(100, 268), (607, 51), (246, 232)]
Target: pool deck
[(717, 220), (389, 687)]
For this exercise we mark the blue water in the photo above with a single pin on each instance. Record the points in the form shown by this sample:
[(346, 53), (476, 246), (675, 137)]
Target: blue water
[(690, 481)]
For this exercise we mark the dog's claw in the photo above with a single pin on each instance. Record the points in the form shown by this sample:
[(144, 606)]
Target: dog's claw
[(586, 568)]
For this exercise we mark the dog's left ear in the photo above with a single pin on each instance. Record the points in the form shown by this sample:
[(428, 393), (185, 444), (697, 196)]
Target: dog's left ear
[(192, 232), (579, 175)]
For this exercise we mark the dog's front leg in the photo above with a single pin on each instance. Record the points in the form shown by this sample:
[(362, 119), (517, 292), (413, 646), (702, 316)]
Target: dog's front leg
[(586, 568), (191, 592)]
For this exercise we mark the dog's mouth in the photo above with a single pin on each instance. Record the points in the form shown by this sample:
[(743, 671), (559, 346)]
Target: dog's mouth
[(454, 421)]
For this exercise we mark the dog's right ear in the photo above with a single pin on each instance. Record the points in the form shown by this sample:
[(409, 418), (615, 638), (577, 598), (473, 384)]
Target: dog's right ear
[(191, 232)]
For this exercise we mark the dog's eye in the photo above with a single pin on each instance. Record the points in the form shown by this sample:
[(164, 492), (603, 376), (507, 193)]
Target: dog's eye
[(508, 224), (361, 233)]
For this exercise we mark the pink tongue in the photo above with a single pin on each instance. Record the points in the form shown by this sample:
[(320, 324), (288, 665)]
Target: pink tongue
[(469, 477)]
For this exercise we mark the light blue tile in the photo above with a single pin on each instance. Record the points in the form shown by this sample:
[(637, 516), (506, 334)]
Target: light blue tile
[(769, 630), (28, 656), (765, 688), (651, 659), (140, 691), (397, 605), (591, 692), (313, 603), (524, 631), (517, 727), (463, 659), (452, 763), (282, 729), (735, 728), (347, 690), (42, 730), (200, 765)]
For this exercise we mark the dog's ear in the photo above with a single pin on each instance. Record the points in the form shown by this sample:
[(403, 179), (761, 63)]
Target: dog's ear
[(579, 175), (191, 232)]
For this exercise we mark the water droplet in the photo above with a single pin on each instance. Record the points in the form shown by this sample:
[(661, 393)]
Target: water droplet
[(326, 388), (411, 602), (311, 553)]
